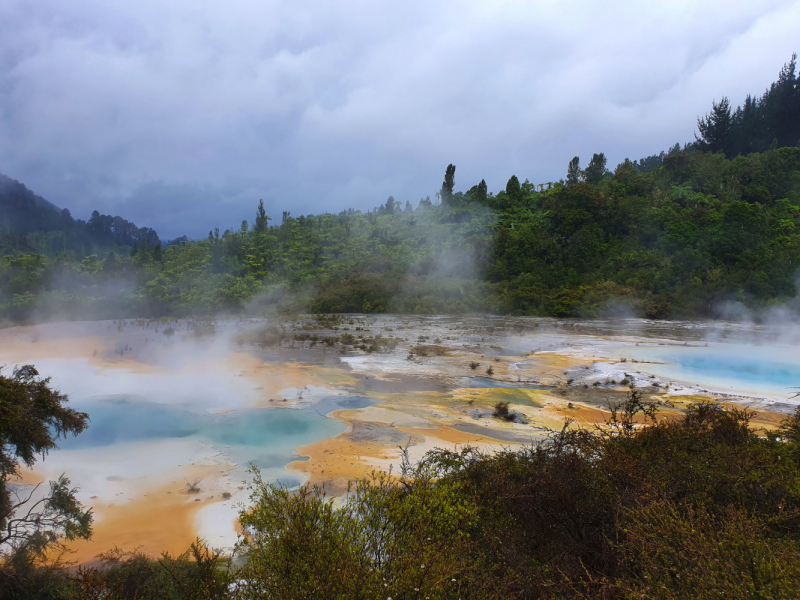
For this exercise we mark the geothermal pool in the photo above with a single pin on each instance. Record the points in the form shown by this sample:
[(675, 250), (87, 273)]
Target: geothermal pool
[(757, 370), (266, 438), (180, 409)]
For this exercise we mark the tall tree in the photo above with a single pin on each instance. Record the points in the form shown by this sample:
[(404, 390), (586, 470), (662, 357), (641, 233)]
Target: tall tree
[(483, 191), (715, 127), (512, 187), (596, 170), (262, 220), (744, 138), (448, 184), (574, 174), (781, 107)]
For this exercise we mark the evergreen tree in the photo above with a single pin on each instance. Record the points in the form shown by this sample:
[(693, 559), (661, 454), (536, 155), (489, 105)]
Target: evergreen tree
[(448, 184), (597, 168), (574, 174), (781, 107), (483, 191), (747, 123), (389, 207), (513, 187), (262, 220), (715, 128)]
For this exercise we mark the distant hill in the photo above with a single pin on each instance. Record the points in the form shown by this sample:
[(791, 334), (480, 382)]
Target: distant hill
[(22, 211), (12, 187), (30, 223)]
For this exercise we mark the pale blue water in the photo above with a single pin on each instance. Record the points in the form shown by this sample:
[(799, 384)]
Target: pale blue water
[(749, 371), (737, 367), (266, 437)]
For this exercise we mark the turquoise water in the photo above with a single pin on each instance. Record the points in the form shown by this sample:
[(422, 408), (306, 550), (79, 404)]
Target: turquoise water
[(737, 367), (266, 437)]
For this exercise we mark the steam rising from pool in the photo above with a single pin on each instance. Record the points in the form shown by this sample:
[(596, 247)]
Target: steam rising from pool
[(172, 402)]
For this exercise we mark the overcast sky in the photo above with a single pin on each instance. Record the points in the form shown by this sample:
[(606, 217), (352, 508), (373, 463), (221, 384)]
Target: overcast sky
[(181, 115)]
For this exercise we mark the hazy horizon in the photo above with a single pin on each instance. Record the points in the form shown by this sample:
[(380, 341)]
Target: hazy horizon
[(182, 117)]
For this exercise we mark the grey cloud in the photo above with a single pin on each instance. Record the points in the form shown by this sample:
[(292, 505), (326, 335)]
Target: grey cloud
[(181, 115)]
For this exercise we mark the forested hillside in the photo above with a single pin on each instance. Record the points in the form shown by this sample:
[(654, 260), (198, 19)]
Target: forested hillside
[(29, 223), (676, 234), (677, 241)]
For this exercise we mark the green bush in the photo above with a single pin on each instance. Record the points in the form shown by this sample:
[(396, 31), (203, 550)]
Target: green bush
[(700, 506)]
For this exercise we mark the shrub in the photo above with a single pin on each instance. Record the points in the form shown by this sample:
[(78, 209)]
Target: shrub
[(393, 537), (197, 574), (693, 506), (501, 411), (675, 508), (679, 551)]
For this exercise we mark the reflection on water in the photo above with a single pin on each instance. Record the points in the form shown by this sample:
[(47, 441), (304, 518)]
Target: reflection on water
[(266, 437)]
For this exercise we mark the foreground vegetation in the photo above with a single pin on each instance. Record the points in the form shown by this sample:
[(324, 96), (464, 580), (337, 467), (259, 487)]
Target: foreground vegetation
[(695, 506)]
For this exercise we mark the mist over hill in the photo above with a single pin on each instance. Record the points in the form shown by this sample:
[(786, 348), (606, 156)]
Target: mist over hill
[(682, 233)]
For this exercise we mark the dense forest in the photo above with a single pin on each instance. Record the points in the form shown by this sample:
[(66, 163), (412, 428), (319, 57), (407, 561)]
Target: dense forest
[(700, 230), (677, 234)]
